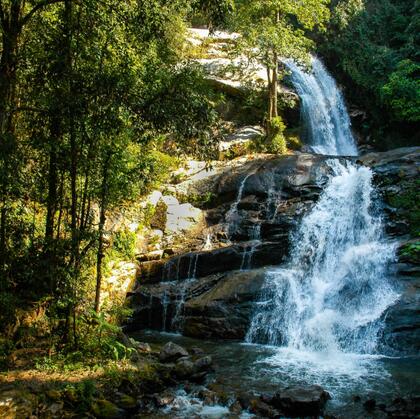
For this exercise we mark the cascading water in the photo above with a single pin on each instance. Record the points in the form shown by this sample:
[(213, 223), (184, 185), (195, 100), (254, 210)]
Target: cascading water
[(332, 293), (324, 113), (330, 296)]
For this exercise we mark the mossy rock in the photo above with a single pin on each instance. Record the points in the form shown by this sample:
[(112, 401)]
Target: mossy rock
[(406, 201), (105, 409), (127, 402)]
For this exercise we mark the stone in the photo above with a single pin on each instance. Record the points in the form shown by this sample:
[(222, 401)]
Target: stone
[(239, 142), (127, 402), (370, 405), (184, 369), (301, 401), (219, 302), (105, 409), (260, 408), (225, 310), (171, 352), (203, 364)]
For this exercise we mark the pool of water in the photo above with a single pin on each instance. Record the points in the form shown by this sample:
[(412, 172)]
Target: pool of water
[(243, 367)]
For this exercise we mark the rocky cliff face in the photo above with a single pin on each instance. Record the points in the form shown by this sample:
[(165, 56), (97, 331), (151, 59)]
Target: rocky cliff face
[(209, 290)]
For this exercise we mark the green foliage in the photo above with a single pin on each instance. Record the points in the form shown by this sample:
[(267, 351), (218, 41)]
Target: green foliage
[(124, 243), (203, 201), (374, 47), (263, 33), (411, 252), (402, 92), (407, 202), (276, 139)]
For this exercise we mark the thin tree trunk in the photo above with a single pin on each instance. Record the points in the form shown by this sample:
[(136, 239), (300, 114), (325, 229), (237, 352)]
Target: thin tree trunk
[(274, 85), (102, 219)]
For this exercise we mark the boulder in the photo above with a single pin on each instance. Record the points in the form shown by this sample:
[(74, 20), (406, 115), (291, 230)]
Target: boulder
[(171, 352), (225, 310), (105, 409), (239, 142), (301, 401), (184, 368)]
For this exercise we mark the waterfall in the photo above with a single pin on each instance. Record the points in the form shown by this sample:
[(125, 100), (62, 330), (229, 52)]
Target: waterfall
[(324, 114), (332, 293)]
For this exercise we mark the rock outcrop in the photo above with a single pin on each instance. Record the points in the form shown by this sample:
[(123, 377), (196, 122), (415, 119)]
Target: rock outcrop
[(208, 290)]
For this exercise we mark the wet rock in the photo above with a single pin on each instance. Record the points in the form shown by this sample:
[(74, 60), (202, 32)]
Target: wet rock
[(184, 369), (370, 405), (171, 352), (225, 310), (260, 408), (197, 351), (403, 408), (203, 364), (301, 401), (163, 400)]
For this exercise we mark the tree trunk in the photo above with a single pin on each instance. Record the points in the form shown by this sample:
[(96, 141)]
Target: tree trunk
[(102, 219)]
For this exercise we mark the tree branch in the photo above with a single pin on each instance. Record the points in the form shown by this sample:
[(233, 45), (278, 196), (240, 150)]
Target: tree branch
[(37, 7)]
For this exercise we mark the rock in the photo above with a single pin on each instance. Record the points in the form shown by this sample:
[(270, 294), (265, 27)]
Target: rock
[(301, 401), (184, 369), (238, 143), (127, 402), (225, 310), (203, 364), (276, 191), (54, 395), (197, 351), (105, 409), (140, 346), (370, 405), (17, 404), (401, 408), (260, 408), (171, 352), (163, 400)]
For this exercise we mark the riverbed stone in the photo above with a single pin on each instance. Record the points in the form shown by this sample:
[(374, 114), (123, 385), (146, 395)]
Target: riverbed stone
[(171, 352), (301, 401)]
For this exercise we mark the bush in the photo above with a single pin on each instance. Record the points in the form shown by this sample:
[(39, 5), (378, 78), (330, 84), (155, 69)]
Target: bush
[(125, 243), (276, 139)]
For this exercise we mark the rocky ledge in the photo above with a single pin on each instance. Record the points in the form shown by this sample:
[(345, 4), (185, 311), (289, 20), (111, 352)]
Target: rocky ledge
[(209, 291)]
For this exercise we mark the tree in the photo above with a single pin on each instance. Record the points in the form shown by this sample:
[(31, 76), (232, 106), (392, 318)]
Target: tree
[(402, 91), (273, 29)]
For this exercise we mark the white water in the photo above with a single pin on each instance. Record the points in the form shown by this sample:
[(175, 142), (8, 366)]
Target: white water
[(232, 216), (324, 308), (332, 293), (324, 113)]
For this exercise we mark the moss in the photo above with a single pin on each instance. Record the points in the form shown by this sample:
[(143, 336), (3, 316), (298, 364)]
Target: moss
[(407, 202), (105, 409), (411, 252), (202, 201)]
